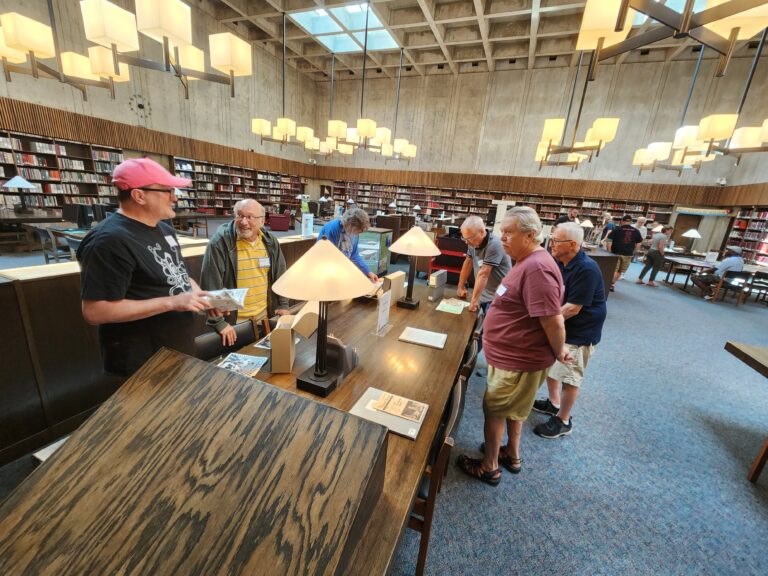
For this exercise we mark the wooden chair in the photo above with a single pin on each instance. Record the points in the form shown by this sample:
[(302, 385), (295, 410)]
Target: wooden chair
[(73, 244), (757, 287), (736, 282), (423, 509), (55, 246)]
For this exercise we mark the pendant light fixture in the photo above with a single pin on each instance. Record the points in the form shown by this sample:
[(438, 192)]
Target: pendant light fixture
[(366, 128)]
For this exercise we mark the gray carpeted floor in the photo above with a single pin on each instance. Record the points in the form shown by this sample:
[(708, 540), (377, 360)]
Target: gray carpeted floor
[(653, 478)]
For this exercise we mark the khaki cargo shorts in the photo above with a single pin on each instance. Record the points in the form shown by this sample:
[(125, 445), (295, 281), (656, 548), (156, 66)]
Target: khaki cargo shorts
[(510, 395), (623, 264), (573, 373)]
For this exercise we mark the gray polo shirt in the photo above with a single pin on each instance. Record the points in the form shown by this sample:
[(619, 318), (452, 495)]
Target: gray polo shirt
[(492, 253)]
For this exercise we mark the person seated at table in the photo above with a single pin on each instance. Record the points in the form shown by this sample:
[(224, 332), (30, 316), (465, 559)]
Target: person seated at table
[(731, 262), (244, 254), (344, 233), (655, 256)]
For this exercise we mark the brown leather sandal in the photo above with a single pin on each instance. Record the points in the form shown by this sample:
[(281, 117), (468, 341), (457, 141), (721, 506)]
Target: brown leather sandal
[(474, 467)]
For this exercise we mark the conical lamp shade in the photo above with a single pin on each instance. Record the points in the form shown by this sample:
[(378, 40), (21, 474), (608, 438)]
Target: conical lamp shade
[(323, 274), (18, 182), (415, 242)]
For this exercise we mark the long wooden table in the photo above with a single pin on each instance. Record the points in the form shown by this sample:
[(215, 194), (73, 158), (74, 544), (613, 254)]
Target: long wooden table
[(755, 357), (417, 372)]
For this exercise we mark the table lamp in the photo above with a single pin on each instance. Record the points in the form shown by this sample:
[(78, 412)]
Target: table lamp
[(586, 224), (393, 206), (693, 234), (21, 185), (323, 274), (413, 244), (658, 228)]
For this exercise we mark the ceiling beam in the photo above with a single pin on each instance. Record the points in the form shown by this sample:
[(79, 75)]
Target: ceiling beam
[(428, 14), (400, 39), (483, 25)]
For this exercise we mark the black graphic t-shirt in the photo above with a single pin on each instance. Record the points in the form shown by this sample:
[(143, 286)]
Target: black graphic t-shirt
[(121, 259)]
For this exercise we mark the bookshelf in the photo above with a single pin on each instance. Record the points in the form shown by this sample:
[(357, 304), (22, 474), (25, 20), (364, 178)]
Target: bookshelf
[(459, 202), (62, 171), (749, 230), (216, 188)]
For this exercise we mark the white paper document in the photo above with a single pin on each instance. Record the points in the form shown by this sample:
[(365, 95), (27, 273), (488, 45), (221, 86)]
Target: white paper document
[(424, 337), (228, 299)]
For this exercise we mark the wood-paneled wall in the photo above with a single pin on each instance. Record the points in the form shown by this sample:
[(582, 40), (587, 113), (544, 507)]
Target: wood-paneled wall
[(19, 116)]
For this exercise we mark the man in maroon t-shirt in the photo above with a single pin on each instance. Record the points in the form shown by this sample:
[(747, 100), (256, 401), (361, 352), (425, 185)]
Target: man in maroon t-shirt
[(522, 335)]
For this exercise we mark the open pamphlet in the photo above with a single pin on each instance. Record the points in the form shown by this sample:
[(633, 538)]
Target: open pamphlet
[(452, 305), (228, 299), (243, 363), (423, 337), (400, 415)]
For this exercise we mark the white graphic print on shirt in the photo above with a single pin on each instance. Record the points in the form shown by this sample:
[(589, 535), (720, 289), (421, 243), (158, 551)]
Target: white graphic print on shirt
[(173, 268)]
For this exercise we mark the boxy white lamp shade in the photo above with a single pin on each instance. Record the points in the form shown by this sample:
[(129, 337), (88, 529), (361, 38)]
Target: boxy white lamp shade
[(541, 151), (685, 137), (11, 55), (313, 143), (230, 53), (102, 64), (410, 151), (261, 127), (366, 128), (383, 135), (717, 127), (415, 242), (106, 24), (27, 35), (323, 149), (352, 136), (553, 129), (191, 58), (642, 157), (165, 18), (304, 133), (604, 129), (387, 150), (659, 150), (749, 22), (77, 66), (399, 145), (599, 21), (324, 274), (330, 142), (346, 149), (277, 133), (287, 126), (337, 129), (746, 137)]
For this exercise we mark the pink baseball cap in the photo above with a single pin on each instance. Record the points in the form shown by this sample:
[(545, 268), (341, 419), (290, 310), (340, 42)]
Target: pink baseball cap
[(141, 172)]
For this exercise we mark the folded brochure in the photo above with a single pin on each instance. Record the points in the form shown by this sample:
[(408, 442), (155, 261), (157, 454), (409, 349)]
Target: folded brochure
[(228, 299), (399, 406)]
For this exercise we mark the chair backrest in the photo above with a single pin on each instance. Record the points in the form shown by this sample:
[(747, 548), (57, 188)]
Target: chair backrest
[(456, 407), (209, 345), (478, 331), (73, 244), (470, 358), (737, 278)]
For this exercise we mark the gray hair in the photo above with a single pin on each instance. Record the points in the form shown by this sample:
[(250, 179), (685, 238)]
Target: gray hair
[(607, 217), (572, 231), (355, 218), (642, 220), (473, 223), (527, 219)]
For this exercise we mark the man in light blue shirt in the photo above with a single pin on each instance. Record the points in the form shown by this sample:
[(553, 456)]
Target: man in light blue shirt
[(731, 262)]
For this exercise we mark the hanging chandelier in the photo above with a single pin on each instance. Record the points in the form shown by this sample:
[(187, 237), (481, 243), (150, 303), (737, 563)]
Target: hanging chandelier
[(115, 33)]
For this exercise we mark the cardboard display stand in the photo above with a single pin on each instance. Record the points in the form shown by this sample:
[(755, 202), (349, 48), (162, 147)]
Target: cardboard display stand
[(283, 342)]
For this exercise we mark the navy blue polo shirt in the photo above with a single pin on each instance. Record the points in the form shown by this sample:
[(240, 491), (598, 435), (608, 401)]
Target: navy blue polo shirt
[(584, 285)]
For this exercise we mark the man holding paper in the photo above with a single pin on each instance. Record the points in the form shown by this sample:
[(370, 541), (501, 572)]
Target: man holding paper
[(134, 282), (243, 254)]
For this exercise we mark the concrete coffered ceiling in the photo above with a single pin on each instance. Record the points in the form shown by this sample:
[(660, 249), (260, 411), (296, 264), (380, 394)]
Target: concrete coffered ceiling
[(446, 36)]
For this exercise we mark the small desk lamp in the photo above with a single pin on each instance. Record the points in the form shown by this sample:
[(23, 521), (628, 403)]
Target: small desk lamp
[(413, 244), (21, 185), (393, 206), (323, 274), (693, 234), (586, 224)]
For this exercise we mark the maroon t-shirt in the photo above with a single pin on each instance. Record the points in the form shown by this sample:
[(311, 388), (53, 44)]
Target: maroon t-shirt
[(513, 338)]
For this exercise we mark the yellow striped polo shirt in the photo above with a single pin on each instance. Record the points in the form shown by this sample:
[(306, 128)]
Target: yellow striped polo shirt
[(253, 273)]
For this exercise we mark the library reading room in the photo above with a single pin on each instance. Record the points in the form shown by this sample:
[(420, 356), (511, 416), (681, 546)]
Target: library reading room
[(306, 287)]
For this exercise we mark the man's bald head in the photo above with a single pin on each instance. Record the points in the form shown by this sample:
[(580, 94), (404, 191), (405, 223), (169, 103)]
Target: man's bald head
[(473, 231), (249, 218)]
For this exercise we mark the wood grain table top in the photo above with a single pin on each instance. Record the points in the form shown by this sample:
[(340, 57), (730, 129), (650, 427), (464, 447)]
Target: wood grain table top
[(192, 469), (753, 356), (416, 372)]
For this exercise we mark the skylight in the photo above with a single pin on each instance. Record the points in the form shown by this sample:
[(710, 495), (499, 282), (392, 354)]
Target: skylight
[(676, 5), (342, 29)]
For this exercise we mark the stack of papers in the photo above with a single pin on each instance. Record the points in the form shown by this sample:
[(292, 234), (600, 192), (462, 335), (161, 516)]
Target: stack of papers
[(243, 364), (228, 299), (452, 305), (424, 338)]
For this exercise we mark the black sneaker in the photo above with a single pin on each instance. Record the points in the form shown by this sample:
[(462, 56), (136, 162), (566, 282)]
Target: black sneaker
[(554, 428), (545, 407)]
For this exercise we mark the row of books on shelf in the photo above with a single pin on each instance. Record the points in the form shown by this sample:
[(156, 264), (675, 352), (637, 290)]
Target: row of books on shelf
[(757, 214), (85, 177)]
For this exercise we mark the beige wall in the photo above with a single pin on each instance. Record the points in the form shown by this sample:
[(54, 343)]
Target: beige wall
[(479, 123)]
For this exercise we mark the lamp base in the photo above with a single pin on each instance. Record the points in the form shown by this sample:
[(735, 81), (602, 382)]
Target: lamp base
[(308, 382), (408, 303)]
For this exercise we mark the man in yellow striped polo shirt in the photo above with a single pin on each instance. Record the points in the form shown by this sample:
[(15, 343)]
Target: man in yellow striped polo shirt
[(243, 254)]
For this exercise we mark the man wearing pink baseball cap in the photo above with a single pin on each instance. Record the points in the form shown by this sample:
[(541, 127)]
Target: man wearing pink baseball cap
[(134, 282)]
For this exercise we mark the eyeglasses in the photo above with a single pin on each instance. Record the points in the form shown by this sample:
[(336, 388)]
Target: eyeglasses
[(468, 238), (559, 241), (147, 189), (249, 218)]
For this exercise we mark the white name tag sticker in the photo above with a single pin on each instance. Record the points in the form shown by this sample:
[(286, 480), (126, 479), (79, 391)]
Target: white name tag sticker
[(501, 290), (264, 262), (171, 241)]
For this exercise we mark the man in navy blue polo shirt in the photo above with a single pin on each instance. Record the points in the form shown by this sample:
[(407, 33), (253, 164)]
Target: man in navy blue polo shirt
[(584, 311)]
